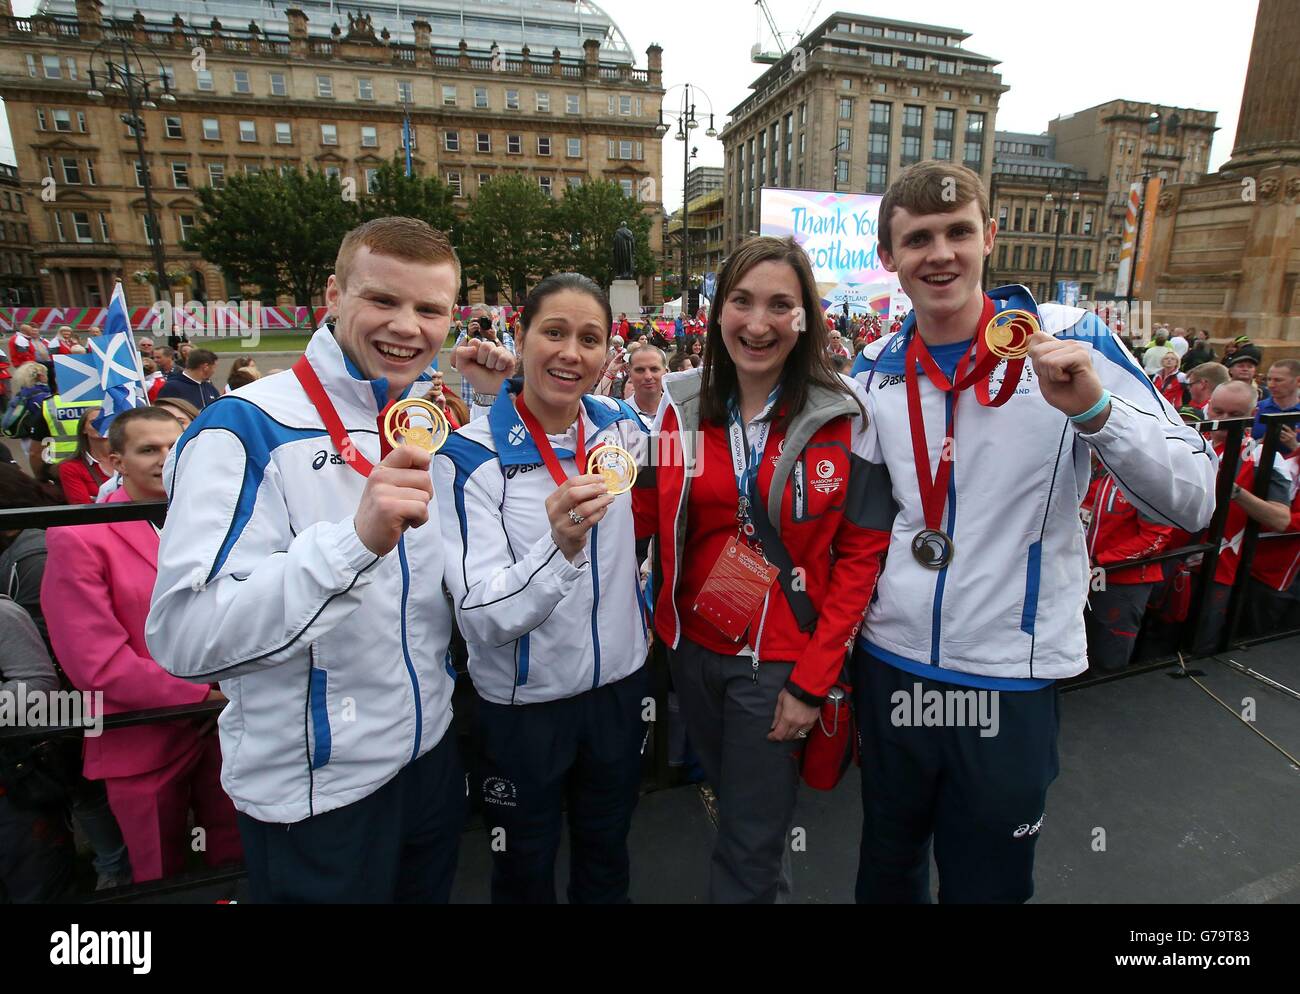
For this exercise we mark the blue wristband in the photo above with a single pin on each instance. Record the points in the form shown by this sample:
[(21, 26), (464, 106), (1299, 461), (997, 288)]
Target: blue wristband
[(1094, 410)]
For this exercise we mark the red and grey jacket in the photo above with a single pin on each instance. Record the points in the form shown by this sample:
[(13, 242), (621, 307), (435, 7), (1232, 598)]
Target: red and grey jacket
[(1118, 531), (1277, 557), (831, 508), (1281, 490)]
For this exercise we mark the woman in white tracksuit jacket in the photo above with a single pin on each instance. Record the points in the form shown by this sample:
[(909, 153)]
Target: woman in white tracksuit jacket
[(542, 568)]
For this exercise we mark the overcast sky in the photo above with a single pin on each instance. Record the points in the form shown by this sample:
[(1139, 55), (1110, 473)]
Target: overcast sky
[(1057, 59)]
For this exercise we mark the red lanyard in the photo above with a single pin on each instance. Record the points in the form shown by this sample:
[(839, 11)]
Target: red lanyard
[(333, 424), (934, 487), (544, 444)]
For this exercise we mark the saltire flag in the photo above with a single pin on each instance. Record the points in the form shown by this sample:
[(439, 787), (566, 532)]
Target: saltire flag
[(78, 377), (121, 374)]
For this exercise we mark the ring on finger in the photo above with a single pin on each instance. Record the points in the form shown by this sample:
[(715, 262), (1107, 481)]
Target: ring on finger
[(575, 517), (803, 733)]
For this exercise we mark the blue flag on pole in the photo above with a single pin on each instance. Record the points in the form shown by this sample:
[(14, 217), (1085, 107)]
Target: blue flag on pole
[(121, 374), (78, 377)]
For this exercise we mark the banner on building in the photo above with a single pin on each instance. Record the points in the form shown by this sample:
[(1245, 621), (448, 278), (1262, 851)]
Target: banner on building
[(1125, 272), (1148, 231), (839, 231)]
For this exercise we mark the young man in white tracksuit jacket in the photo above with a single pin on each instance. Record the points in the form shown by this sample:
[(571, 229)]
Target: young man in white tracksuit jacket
[(981, 599), (313, 592)]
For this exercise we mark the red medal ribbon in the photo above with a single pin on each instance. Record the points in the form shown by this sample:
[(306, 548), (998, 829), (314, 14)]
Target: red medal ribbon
[(343, 444), (544, 444), (934, 487)]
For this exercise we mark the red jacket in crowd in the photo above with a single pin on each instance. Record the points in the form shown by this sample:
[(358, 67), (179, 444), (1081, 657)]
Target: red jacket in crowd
[(81, 480), (1277, 560), (1118, 532), (1171, 388), (1234, 530), (21, 349)]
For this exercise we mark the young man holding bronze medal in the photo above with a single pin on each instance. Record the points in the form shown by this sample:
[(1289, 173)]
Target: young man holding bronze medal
[(295, 570), (985, 406)]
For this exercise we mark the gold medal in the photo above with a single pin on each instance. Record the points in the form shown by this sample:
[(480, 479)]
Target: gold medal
[(616, 466), (416, 422), (1008, 334)]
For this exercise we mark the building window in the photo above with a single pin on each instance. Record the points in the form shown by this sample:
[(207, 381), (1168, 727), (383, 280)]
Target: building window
[(62, 120), (325, 86), (71, 171), (278, 88), (365, 88), (481, 97), (369, 136), (573, 148), (81, 225), (626, 186), (1033, 219), (1087, 259), (625, 106), (90, 171), (241, 81), (150, 233), (842, 171), (283, 133), (512, 99), (333, 172), (544, 183), (1031, 258), (372, 180), (514, 144), (453, 181), (484, 143), (180, 175), (484, 179), (543, 98), (211, 129), (81, 122), (844, 140), (543, 145), (203, 79), (572, 104), (103, 226), (248, 131), (50, 67), (880, 113), (252, 169), (185, 222), (448, 95), (846, 109), (171, 126), (405, 92), (451, 141), (58, 226), (1015, 257), (329, 134), (216, 175), (1019, 218)]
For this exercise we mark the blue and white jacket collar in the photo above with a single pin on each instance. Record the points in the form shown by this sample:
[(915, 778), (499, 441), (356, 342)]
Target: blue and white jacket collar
[(343, 381), (515, 447), (1005, 298)]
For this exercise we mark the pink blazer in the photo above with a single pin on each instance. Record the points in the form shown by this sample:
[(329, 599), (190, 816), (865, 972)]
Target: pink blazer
[(95, 594)]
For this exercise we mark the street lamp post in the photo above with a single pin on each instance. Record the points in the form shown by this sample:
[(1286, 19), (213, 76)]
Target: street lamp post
[(1060, 211), (686, 123), (139, 87)]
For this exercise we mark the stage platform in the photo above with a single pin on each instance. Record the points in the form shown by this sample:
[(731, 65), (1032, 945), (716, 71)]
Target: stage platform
[(1195, 806)]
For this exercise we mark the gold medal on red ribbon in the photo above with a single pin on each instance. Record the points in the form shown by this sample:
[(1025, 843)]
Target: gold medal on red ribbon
[(416, 422), (1008, 334), (616, 466)]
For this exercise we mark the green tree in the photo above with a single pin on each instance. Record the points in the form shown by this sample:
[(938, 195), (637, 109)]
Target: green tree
[(279, 231), (585, 221), (508, 237), (398, 195)]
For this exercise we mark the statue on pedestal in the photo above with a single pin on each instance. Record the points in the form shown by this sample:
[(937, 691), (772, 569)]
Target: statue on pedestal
[(624, 252)]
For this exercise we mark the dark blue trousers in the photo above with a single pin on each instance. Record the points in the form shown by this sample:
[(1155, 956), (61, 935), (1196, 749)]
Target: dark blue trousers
[(534, 760), (397, 845), (980, 798)]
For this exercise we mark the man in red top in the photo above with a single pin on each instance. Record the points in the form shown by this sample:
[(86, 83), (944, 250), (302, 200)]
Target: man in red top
[(1118, 532), (22, 345), (1273, 593), (1237, 399)]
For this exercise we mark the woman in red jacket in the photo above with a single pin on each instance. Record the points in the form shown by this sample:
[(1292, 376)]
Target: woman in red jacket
[(765, 435), (82, 474), (1171, 384)]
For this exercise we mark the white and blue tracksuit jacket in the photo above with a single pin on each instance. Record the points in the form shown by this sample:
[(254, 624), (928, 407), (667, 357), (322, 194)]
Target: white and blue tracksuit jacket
[(1010, 604), (538, 627), (334, 659)]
